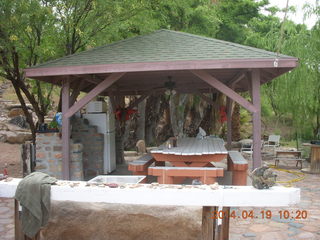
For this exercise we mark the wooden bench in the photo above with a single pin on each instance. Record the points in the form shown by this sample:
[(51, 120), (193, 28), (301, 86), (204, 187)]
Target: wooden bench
[(289, 156), (171, 175), (140, 166), (239, 166)]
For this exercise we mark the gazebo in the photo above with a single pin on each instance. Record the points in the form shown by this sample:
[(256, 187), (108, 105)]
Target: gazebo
[(142, 64)]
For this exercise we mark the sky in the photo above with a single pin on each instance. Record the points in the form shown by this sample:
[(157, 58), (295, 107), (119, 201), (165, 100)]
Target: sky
[(298, 16)]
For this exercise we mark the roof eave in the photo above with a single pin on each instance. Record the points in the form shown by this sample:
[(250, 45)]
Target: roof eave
[(161, 66)]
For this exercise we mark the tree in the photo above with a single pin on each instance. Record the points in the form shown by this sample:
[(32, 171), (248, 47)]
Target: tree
[(25, 31)]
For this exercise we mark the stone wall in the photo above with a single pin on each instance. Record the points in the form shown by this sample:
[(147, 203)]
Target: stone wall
[(93, 146), (101, 221), (49, 156)]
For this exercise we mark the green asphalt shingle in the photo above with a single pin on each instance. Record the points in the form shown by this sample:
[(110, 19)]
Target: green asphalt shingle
[(162, 45)]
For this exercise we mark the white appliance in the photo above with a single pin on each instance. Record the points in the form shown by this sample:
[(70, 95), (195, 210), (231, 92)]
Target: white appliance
[(96, 107), (105, 124)]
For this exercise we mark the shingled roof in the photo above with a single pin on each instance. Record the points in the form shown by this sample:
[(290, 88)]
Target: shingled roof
[(160, 46), (149, 59)]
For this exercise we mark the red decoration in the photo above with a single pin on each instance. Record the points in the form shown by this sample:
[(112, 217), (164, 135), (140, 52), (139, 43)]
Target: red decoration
[(124, 114), (5, 171), (223, 114)]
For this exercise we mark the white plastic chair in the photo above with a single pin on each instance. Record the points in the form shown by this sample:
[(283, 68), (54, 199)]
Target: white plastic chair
[(273, 141), (247, 147)]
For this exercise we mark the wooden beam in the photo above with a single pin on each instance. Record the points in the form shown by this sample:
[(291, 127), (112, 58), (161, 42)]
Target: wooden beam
[(256, 118), (93, 93), (224, 89), (65, 129), (162, 66), (231, 83), (139, 100), (229, 123)]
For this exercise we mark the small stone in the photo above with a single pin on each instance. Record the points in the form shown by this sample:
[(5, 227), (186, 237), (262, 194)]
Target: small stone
[(296, 225), (112, 185), (249, 234), (214, 186)]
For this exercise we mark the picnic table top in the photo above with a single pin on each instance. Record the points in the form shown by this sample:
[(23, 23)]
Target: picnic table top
[(194, 146)]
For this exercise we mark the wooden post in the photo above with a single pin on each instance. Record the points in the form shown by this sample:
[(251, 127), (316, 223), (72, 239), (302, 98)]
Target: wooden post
[(208, 223), (256, 118), (17, 224), (229, 121), (65, 129)]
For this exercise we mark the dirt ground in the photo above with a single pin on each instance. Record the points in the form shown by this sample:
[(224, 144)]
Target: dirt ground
[(10, 154)]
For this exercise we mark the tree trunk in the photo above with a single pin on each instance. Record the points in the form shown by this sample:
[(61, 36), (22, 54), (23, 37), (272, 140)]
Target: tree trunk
[(236, 122), (26, 112), (177, 106), (141, 124), (152, 116)]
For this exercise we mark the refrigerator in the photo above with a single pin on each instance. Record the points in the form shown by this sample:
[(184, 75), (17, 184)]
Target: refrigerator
[(105, 124)]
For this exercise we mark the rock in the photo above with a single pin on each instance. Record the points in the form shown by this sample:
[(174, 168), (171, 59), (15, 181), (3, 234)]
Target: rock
[(15, 137), (14, 112), (11, 105), (3, 127), (20, 121), (81, 221), (3, 137)]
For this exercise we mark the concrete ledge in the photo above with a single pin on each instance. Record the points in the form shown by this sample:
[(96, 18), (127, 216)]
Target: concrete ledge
[(169, 195)]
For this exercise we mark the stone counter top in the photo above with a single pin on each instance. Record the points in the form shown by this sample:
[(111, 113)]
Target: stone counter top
[(166, 195)]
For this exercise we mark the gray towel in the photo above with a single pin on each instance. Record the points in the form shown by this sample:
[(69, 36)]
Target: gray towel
[(33, 193)]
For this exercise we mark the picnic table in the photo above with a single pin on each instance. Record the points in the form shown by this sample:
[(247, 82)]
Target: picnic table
[(192, 152), (289, 156), (191, 157)]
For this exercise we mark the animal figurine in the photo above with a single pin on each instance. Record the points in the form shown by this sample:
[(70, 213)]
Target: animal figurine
[(263, 178)]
